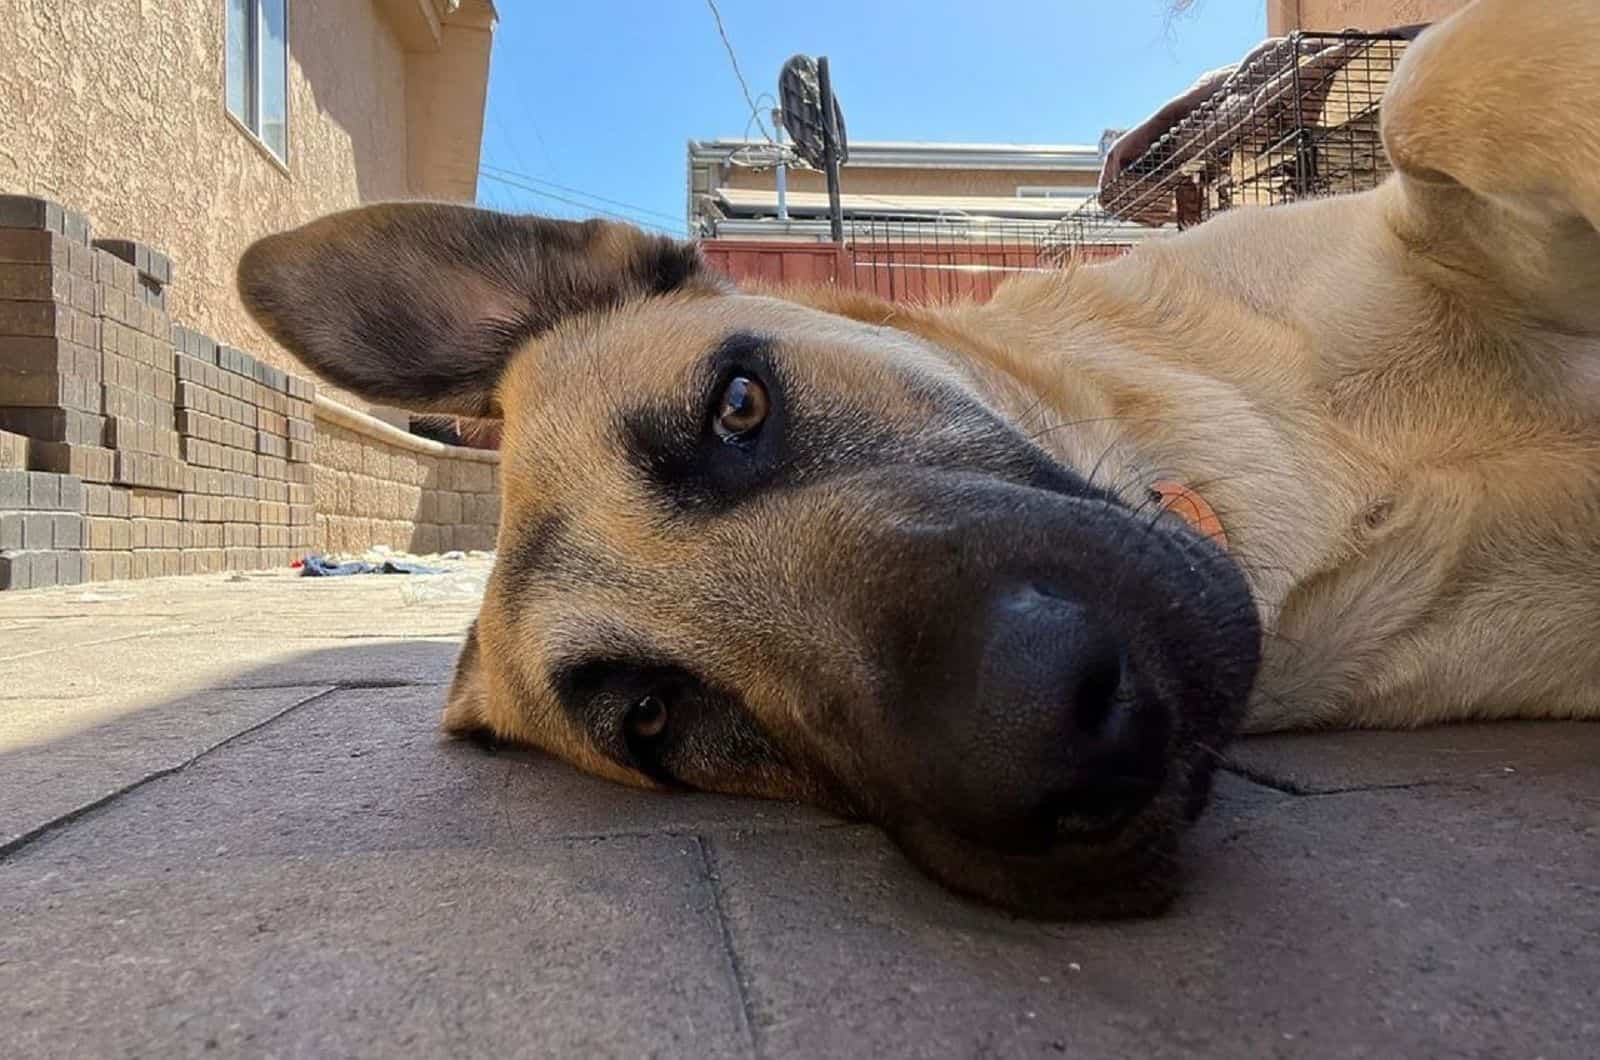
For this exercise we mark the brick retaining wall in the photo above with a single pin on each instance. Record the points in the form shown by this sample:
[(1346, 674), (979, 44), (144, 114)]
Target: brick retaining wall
[(134, 447), (378, 485)]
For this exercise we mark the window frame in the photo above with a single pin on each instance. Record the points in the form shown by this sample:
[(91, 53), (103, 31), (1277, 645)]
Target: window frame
[(1052, 191), (249, 123)]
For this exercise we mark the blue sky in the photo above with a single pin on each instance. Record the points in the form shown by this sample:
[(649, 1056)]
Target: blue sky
[(600, 96)]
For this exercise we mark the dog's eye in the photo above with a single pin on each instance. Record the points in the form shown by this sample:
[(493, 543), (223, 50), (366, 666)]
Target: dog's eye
[(646, 718), (742, 409)]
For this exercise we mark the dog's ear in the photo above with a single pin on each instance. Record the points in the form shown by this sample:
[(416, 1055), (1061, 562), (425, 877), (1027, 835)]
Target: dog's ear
[(421, 304)]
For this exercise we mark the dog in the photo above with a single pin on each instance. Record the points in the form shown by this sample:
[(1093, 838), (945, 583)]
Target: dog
[(1004, 578)]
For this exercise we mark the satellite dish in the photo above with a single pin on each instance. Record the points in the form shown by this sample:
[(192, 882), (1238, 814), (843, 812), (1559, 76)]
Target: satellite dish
[(800, 97)]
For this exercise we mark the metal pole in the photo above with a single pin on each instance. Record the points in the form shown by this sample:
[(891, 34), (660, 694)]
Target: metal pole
[(783, 169), (830, 150)]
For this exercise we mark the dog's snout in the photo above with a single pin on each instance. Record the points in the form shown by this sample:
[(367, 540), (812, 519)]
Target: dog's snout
[(1035, 735), (1100, 756), (1063, 644)]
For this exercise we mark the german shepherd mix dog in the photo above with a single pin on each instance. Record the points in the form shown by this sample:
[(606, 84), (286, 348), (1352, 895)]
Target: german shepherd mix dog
[(926, 565)]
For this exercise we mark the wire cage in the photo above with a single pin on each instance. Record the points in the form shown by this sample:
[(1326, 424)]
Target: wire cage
[(1090, 234), (1296, 119), (941, 259)]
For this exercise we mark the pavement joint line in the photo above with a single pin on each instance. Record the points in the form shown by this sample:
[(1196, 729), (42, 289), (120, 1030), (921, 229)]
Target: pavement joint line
[(362, 682), (12, 846), (355, 685), (747, 1023), (84, 614), (431, 638), (700, 833), (343, 686), (1265, 779), (1400, 785)]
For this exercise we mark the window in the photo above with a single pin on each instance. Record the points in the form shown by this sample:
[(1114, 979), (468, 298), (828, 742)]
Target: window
[(258, 70)]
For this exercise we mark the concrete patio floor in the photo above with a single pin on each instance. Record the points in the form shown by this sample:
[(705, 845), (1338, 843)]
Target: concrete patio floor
[(228, 827)]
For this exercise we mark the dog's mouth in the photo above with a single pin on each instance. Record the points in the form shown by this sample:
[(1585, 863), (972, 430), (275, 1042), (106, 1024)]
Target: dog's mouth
[(1121, 861), (1115, 876), (1113, 858)]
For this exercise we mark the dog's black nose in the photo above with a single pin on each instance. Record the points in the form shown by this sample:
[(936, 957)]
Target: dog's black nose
[(1040, 735)]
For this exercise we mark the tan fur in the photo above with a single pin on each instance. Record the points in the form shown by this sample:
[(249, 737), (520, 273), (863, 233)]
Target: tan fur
[(1391, 400)]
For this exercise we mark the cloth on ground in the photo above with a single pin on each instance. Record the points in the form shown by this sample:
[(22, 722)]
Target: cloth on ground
[(321, 567)]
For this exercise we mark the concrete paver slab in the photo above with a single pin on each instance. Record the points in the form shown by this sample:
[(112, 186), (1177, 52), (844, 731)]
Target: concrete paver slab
[(568, 949), (342, 881), (148, 668), (356, 770), (1378, 924), (1324, 762), (367, 769), (543, 798), (55, 762), (72, 634)]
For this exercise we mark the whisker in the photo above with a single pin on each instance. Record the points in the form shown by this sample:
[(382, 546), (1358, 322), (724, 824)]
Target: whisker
[(1085, 421)]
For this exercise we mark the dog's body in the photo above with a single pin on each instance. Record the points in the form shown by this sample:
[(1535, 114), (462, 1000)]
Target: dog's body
[(905, 562), (1407, 467)]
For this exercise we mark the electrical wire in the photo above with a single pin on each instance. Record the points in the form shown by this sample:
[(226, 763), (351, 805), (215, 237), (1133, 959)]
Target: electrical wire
[(631, 208), (530, 189), (755, 111)]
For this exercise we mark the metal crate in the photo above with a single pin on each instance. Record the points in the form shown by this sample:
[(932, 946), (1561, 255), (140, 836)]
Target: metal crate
[(1297, 119)]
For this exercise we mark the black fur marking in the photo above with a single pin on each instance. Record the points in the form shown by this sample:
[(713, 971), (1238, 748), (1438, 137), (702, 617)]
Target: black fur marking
[(533, 549), (672, 265), (709, 734), (807, 437), (685, 460)]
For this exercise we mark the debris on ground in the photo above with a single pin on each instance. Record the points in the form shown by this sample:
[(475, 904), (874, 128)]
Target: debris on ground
[(457, 586), (453, 577), (92, 597), (383, 560), (321, 567)]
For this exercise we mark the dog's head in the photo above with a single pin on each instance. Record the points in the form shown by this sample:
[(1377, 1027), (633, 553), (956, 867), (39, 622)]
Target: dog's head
[(748, 546)]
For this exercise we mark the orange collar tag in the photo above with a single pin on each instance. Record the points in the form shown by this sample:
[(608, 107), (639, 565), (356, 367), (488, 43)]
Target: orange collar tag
[(1192, 508)]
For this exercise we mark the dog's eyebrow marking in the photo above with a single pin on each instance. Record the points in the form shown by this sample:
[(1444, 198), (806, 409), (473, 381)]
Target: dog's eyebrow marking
[(740, 346), (669, 443), (809, 435), (537, 547)]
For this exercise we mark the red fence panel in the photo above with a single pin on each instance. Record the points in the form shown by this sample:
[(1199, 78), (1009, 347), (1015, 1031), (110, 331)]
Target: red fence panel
[(774, 262), (917, 270)]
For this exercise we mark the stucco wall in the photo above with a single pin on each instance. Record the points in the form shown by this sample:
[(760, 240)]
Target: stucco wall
[(1286, 15), (116, 107)]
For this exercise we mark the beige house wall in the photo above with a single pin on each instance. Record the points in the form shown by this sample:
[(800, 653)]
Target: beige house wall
[(1285, 16), (152, 449), (446, 91), (116, 108)]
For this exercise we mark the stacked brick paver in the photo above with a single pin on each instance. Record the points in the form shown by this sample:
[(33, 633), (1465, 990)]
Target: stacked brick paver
[(172, 453)]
